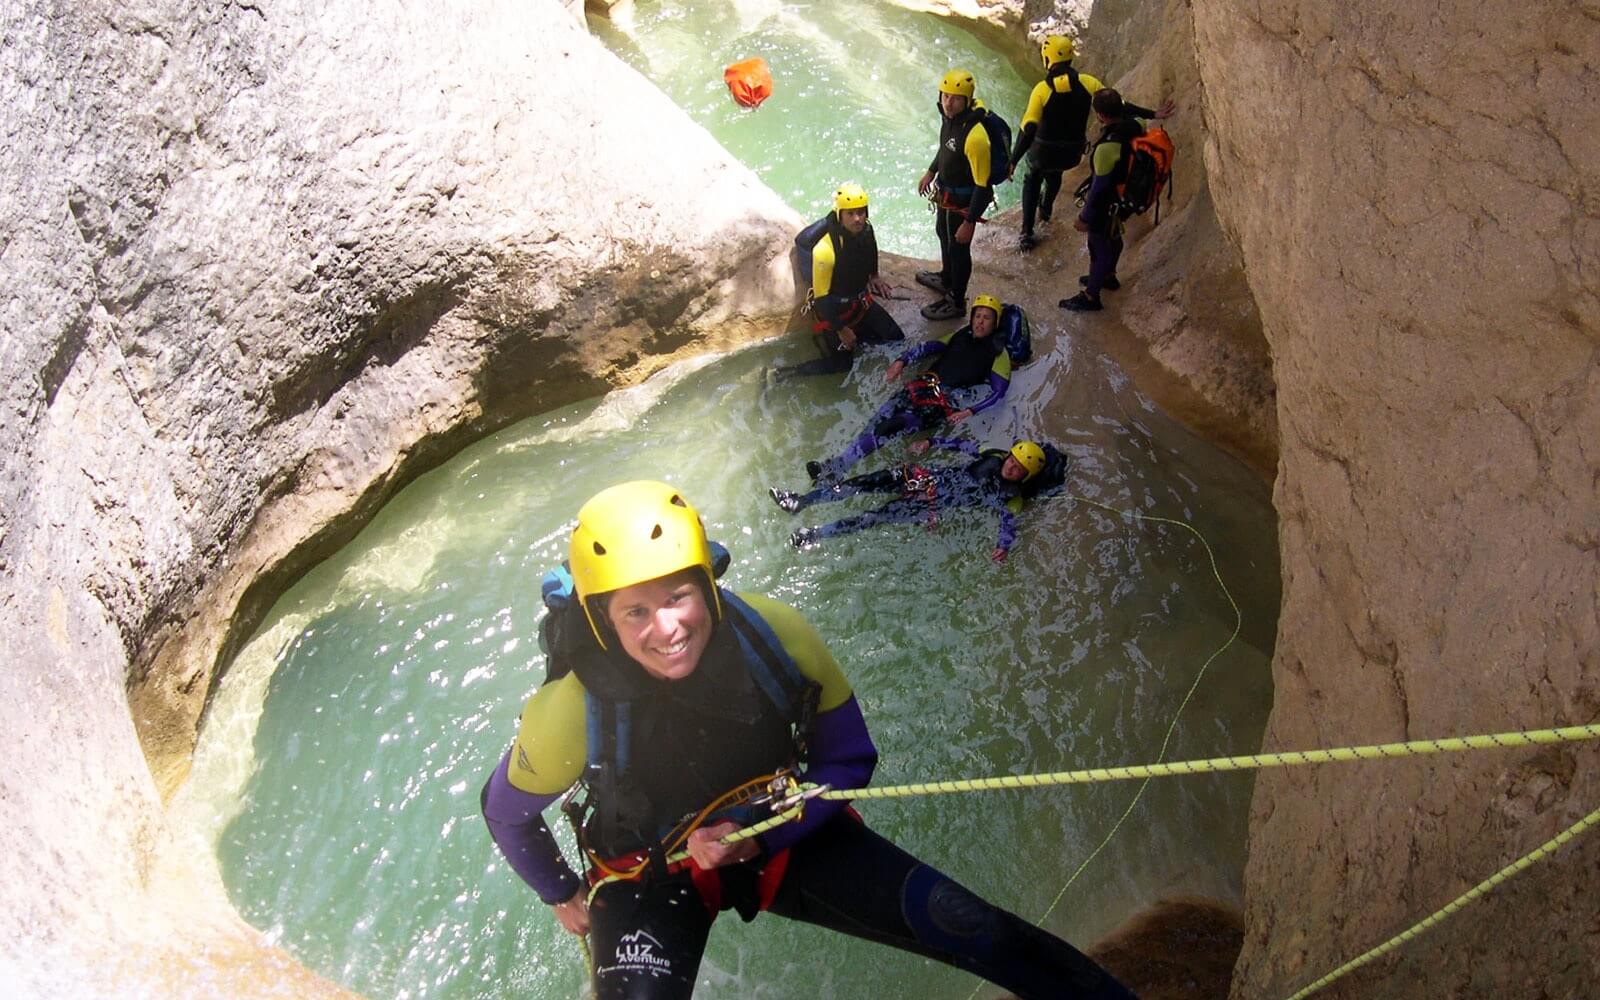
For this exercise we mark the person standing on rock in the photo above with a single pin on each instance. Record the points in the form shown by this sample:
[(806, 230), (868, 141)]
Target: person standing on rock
[(676, 704), (959, 183), (1053, 131), (1099, 217), (843, 253)]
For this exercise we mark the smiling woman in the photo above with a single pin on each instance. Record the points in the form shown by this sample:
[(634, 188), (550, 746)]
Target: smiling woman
[(702, 697)]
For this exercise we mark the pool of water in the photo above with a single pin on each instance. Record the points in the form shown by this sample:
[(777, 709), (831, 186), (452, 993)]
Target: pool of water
[(854, 88), (338, 770)]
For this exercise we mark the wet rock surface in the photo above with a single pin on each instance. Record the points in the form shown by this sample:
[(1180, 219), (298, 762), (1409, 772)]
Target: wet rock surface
[(263, 264), (1418, 228)]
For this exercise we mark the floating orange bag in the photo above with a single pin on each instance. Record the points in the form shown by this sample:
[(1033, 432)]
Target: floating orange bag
[(750, 82)]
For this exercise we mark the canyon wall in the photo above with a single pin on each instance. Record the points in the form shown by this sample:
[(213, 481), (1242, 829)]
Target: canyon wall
[(263, 264), (1414, 191)]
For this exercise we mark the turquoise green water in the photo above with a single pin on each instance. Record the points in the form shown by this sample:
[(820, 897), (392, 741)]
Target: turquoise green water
[(854, 85), (340, 763)]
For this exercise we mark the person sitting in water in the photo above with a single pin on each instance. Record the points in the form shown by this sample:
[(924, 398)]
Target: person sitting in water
[(996, 478), (965, 364), (844, 282), (675, 704)]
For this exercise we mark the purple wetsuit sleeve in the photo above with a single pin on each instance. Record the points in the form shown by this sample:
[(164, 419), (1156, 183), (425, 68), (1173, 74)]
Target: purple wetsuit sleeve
[(842, 755), (963, 445), (520, 832), (998, 384), (1008, 528), (921, 351)]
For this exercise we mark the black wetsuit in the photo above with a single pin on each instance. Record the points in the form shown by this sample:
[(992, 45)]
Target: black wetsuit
[(842, 266)]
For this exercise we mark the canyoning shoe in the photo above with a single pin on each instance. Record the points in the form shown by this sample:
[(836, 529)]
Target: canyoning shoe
[(784, 498), (945, 308), (1082, 302), (1026, 242), (803, 538), (814, 469), (933, 280), (1111, 285)]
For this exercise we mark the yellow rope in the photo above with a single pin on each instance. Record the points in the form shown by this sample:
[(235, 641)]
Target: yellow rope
[(1471, 895), (1161, 755), (1213, 765)]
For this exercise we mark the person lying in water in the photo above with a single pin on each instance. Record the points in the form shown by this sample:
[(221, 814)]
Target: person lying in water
[(669, 698), (996, 478), (970, 372)]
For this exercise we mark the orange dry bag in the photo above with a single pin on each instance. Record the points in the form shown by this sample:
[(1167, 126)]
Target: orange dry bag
[(750, 82)]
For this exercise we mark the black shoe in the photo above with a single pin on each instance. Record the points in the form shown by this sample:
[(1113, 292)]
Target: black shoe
[(1111, 283), (813, 469), (945, 308), (931, 279), (1026, 242), (785, 499), (1082, 302), (803, 538)]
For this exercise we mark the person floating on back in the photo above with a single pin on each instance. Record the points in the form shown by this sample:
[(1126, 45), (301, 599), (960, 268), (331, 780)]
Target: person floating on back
[(1053, 131), (970, 372), (1102, 216), (961, 181), (1000, 479), (839, 255)]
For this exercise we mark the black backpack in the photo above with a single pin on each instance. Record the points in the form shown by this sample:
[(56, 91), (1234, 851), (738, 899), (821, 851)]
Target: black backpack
[(1016, 335)]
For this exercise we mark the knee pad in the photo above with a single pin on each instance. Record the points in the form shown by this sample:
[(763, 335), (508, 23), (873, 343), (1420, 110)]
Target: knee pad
[(945, 915)]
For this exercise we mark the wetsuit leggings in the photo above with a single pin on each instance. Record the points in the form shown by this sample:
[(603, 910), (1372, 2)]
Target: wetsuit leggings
[(893, 419), (876, 327), (647, 941), (955, 257), (1105, 249), (1047, 161)]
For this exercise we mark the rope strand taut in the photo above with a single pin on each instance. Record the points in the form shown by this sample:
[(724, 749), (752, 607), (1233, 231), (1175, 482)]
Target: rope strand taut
[(1290, 758), (1214, 765), (1470, 896)]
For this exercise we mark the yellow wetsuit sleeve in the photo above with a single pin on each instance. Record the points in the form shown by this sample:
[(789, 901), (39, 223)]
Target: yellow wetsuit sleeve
[(1106, 157), (1036, 101), (805, 646), (977, 150), (1002, 364), (552, 741), (1092, 85), (822, 261)]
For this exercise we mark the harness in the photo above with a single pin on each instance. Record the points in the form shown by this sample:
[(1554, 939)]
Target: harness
[(928, 397), (610, 730)]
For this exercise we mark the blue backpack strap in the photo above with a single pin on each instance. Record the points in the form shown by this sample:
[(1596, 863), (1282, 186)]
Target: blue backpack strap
[(556, 587), (771, 665)]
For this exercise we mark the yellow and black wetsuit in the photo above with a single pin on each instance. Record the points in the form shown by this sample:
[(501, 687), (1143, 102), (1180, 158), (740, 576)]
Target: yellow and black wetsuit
[(961, 171), (647, 935), (842, 265)]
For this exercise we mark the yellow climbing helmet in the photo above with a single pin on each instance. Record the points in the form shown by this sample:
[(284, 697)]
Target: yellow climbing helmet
[(1030, 456), (1056, 49), (986, 302), (631, 533), (849, 195), (958, 81)]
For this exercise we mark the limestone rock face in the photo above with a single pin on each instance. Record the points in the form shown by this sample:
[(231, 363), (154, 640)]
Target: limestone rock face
[(1414, 191), (260, 264)]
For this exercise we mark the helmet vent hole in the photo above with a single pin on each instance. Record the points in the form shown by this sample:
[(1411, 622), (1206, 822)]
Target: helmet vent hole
[(656, 533), (676, 501), (599, 549)]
